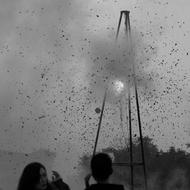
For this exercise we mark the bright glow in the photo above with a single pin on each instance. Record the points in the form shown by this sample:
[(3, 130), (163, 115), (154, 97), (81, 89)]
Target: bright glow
[(118, 86)]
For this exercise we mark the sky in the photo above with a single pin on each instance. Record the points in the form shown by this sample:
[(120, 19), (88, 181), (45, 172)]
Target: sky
[(57, 57)]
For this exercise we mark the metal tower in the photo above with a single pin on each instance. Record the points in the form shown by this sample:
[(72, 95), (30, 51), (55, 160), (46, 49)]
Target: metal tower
[(131, 163)]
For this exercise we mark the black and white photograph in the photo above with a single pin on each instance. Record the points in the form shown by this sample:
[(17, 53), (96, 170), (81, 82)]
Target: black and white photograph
[(94, 94)]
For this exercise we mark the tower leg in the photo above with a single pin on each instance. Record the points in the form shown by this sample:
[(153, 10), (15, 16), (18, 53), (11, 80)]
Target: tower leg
[(130, 139), (99, 124), (141, 137), (128, 33)]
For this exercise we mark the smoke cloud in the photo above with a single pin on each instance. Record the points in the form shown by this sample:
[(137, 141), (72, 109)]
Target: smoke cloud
[(57, 58)]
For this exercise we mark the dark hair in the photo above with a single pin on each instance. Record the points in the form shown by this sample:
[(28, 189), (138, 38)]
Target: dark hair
[(30, 176), (101, 166)]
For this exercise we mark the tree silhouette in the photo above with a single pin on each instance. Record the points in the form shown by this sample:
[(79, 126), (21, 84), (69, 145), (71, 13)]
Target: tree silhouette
[(164, 169)]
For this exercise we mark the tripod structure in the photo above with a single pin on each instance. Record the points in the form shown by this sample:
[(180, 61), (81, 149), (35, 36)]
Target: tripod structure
[(131, 163)]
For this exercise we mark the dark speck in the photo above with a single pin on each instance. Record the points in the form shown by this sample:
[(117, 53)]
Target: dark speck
[(97, 110)]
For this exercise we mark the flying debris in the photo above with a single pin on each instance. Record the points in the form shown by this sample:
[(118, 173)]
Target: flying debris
[(97, 110)]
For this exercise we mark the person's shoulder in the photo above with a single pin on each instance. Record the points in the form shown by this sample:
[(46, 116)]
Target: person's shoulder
[(116, 186), (105, 186)]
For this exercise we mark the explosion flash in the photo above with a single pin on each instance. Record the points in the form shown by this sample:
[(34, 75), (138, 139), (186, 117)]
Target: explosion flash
[(118, 86)]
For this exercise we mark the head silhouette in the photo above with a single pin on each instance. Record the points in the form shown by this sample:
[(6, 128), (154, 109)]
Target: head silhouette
[(101, 166), (34, 177)]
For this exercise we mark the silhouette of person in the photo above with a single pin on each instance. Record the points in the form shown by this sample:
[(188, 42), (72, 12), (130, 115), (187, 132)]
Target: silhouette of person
[(101, 168), (34, 177)]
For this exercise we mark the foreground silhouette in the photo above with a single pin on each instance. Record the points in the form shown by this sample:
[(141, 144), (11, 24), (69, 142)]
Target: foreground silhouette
[(34, 177), (101, 167)]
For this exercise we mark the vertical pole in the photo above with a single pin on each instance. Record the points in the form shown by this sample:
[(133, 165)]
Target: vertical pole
[(138, 110), (141, 139), (128, 32), (127, 23), (99, 124), (130, 139), (119, 24)]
